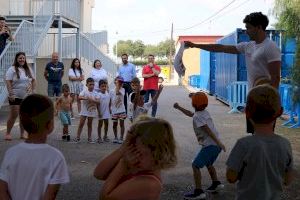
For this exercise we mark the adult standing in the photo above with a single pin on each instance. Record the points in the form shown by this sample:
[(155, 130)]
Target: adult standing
[(54, 72), (75, 84), (263, 57), (127, 72), (5, 33), (20, 82), (98, 73), (150, 74)]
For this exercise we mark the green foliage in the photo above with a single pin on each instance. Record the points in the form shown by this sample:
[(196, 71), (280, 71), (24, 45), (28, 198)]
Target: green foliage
[(139, 49), (123, 47), (150, 49), (288, 14), (145, 62)]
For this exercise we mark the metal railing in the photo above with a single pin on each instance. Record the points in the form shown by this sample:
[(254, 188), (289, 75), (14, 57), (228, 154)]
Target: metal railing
[(69, 9), (89, 51), (23, 41), (24, 7), (29, 36), (42, 22)]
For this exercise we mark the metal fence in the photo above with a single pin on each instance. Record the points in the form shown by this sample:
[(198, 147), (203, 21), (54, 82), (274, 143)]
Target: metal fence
[(69, 9), (42, 22), (89, 51), (23, 41)]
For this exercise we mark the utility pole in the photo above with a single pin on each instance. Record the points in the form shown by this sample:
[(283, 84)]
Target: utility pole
[(117, 47), (170, 56)]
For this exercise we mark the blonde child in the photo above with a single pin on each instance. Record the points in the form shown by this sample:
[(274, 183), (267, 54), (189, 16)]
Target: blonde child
[(33, 170), (63, 109), (89, 109), (118, 112), (104, 110), (133, 171), (208, 136), (263, 162)]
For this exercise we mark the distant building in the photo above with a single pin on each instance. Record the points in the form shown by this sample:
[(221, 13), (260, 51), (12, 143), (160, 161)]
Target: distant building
[(191, 57)]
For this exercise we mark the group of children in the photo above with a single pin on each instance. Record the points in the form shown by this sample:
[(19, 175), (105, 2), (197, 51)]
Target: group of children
[(103, 105), (261, 163)]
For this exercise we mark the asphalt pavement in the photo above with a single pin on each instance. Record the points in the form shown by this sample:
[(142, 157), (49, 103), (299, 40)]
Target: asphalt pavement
[(82, 158)]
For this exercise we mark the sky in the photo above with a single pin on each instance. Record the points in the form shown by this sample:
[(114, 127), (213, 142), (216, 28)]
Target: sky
[(150, 21)]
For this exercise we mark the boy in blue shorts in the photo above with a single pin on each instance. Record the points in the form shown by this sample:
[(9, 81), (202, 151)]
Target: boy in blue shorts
[(208, 137), (263, 162), (64, 111)]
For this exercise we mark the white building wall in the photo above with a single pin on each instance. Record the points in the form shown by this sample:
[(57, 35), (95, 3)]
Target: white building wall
[(86, 15)]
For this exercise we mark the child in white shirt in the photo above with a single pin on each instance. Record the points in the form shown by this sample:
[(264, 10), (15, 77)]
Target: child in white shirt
[(89, 109), (104, 110), (207, 136), (138, 107), (118, 112), (33, 170)]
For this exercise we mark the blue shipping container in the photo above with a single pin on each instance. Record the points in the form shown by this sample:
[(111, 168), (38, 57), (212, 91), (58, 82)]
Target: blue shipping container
[(207, 71), (232, 67)]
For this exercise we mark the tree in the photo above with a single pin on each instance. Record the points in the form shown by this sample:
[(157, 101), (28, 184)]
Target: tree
[(137, 49), (150, 49), (165, 47), (288, 14), (123, 47)]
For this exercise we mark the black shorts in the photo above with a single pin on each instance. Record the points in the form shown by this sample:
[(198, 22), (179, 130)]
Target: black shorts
[(17, 101)]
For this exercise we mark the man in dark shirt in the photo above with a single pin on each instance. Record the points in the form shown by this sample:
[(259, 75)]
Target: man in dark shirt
[(5, 33), (54, 72)]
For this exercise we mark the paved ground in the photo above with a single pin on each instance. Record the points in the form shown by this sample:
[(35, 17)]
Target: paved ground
[(82, 158)]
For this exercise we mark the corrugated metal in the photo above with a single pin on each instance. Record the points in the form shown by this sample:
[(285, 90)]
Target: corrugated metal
[(289, 46), (207, 71), (288, 57)]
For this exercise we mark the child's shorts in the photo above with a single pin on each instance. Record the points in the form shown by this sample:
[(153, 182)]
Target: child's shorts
[(64, 117), (120, 116), (207, 156)]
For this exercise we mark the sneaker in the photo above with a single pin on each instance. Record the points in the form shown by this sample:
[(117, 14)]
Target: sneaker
[(105, 139), (115, 140), (64, 137), (90, 141), (68, 138), (215, 186), (196, 194), (99, 140), (76, 140), (120, 141)]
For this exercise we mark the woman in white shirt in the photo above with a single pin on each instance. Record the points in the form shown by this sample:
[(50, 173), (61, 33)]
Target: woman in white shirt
[(98, 73), (20, 82), (75, 78)]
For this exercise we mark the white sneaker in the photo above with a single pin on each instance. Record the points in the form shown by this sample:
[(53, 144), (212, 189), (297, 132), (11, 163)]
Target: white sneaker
[(120, 141), (90, 141), (115, 140)]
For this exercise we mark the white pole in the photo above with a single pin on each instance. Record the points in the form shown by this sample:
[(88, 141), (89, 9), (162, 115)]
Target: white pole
[(117, 47)]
